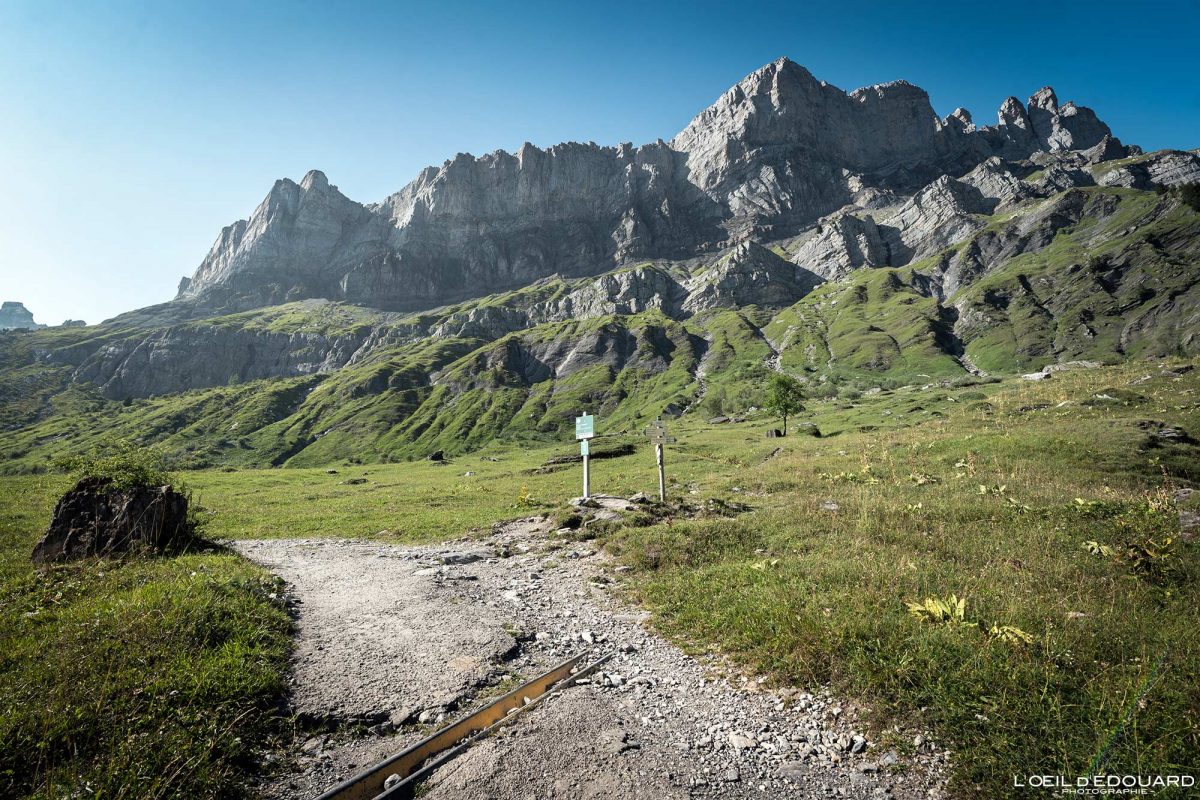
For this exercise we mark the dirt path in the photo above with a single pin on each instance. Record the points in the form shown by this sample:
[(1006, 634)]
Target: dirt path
[(397, 638)]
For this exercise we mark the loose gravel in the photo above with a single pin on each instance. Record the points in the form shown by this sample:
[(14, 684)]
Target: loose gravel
[(394, 640)]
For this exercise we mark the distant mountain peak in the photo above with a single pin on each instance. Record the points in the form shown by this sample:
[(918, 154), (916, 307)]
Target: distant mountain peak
[(15, 316), (773, 154)]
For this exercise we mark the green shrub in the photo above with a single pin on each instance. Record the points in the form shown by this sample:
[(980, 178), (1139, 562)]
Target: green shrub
[(121, 462)]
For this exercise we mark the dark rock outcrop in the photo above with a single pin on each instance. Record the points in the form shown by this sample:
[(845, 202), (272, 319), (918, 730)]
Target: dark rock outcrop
[(94, 519)]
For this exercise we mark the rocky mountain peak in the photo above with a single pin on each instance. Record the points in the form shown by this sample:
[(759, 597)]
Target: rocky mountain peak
[(1044, 99), (1012, 115), (314, 180), (15, 316), (774, 154)]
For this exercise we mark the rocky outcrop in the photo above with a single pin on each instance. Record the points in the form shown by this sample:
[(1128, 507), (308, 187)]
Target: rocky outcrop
[(944, 212), (628, 291), (1070, 127), (1161, 168), (97, 520), (1027, 233), (473, 227), (14, 316), (843, 243), (996, 182), (526, 360), (196, 356), (749, 275), (774, 154)]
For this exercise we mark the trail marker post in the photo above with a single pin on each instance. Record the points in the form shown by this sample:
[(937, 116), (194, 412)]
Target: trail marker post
[(585, 429), (657, 431)]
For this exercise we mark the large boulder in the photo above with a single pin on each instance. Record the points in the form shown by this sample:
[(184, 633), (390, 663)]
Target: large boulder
[(96, 519)]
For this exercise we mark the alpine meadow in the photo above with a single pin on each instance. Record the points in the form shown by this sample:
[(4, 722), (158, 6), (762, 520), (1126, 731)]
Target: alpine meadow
[(924, 397)]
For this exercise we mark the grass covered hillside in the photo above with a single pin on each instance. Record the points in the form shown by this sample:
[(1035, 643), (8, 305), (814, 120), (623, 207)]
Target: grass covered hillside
[(1100, 273), (1050, 509)]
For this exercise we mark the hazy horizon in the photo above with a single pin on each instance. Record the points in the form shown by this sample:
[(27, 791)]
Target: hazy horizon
[(136, 132)]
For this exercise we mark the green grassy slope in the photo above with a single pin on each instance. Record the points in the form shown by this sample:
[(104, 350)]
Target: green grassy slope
[(996, 502), (791, 588), (1123, 287), (152, 678), (1119, 283)]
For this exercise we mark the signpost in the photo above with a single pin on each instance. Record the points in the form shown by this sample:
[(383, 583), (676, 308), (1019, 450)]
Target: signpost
[(657, 431), (585, 428)]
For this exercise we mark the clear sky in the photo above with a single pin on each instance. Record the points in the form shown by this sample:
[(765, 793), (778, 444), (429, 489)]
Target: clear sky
[(131, 132)]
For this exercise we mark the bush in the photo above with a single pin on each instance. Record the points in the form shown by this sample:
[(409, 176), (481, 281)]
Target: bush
[(1190, 194), (121, 462), (715, 402)]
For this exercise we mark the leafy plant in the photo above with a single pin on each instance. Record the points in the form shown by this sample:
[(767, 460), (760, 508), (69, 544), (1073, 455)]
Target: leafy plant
[(1154, 560), (951, 610), (1010, 634), (122, 463), (1097, 549)]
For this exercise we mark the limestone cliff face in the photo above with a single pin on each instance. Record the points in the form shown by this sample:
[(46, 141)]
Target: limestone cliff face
[(15, 316), (185, 357), (775, 153)]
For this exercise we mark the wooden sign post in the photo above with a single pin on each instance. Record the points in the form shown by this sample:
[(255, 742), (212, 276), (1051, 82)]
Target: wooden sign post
[(657, 431), (585, 429)]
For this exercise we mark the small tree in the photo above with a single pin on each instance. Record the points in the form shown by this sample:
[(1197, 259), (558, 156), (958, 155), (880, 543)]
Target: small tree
[(1190, 194), (784, 396), (714, 401)]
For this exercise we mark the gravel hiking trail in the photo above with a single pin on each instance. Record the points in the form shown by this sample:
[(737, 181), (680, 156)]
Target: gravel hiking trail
[(394, 641)]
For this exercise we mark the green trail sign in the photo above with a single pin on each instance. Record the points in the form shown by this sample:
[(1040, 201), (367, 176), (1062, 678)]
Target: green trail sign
[(585, 428)]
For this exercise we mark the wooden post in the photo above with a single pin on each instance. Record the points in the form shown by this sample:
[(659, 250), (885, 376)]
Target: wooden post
[(587, 477), (662, 475)]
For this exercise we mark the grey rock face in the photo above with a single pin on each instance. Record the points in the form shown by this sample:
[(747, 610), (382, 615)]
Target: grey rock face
[(196, 356), (843, 243), (524, 361), (995, 181), (1163, 167), (1059, 178), (944, 212), (1070, 127), (14, 316), (749, 275), (772, 155), (627, 292)]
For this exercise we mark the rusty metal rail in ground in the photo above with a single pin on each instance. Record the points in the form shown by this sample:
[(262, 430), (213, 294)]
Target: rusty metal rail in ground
[(418, 762)]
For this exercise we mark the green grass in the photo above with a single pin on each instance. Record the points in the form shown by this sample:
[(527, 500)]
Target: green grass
[(813, 596), (805, 595), (154, 678), (1102, 289)]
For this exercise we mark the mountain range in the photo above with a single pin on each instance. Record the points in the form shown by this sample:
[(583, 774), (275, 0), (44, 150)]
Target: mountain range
[(854, 240)]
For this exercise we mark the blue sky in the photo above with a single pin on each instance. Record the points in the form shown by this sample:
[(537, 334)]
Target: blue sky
[(131, 132)]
